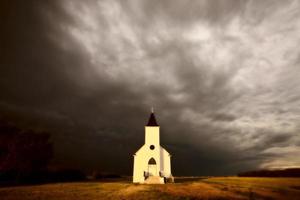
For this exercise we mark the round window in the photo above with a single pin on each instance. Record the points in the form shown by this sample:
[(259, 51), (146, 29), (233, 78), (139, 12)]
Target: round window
[(152, 147)]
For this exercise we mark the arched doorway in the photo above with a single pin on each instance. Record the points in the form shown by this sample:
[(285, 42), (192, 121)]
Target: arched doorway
[(152, 167)]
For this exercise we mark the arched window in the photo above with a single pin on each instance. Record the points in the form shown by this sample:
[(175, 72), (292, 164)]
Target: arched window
[(152, 161)]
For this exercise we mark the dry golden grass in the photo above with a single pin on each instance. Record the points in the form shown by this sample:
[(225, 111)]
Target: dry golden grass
[(198, 190), (232, 188), (260, 188)]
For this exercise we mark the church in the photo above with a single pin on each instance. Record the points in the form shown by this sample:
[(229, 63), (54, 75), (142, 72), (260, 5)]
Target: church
[(152, 163)]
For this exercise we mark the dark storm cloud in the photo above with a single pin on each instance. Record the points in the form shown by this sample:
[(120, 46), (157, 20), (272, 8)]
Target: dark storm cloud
[(222, 76)]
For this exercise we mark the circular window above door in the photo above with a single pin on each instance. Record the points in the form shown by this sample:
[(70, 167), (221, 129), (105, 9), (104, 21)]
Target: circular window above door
[(152, 147)]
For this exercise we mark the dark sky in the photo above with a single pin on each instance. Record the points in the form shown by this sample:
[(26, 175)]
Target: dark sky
[(222, 75)]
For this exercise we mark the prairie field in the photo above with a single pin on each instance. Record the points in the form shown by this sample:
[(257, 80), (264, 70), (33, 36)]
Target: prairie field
[(216, 188)]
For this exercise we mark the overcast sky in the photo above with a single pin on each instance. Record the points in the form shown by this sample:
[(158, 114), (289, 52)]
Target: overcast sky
[(223, 77)]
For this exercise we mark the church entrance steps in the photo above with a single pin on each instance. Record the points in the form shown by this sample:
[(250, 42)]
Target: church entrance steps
[(154, 180)]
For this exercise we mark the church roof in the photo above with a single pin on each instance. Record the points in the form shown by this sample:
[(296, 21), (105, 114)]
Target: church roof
[(152, 120)]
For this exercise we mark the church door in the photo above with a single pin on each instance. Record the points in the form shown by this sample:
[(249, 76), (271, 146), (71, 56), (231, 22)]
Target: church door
[(152, 167)]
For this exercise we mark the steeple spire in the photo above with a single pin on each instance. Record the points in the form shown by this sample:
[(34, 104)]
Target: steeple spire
[(152, 120)]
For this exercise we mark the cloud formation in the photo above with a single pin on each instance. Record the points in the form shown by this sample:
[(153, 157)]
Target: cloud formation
[(223, 77)]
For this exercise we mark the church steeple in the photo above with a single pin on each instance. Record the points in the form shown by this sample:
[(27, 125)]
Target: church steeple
[(152, 120)]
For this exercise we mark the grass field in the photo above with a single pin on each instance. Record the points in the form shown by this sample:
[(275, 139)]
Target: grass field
[(216, 188)]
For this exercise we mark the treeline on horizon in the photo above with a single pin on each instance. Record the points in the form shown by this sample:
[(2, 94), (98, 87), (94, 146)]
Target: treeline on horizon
[(25, 157), (290, 172)]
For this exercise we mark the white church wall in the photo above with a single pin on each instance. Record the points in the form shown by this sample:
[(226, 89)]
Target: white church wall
[(165, 162), (152, 135), (141, 160), (162, 165), (138, 176)]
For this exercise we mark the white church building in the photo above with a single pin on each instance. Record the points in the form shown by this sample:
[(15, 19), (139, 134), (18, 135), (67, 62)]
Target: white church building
[(152, 163)]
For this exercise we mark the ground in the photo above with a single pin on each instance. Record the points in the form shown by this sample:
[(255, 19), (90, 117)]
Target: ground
[(216, 188)]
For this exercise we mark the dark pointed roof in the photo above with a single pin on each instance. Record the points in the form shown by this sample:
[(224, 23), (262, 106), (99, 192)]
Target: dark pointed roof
[(152, 120)]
